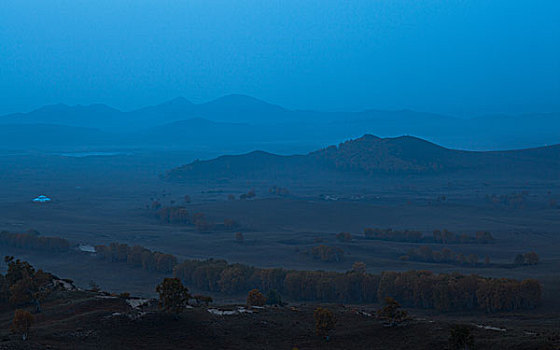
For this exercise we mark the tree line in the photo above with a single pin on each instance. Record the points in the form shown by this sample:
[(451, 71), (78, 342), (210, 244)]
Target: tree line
[(32, 240), (421, 289), (137, 256), (412, 236), (426, 254)]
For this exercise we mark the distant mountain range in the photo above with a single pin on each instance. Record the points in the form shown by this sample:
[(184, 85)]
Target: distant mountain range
[(240, 123), (371, 156)]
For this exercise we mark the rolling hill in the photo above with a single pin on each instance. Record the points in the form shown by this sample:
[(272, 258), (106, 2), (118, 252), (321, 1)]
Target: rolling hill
[(370, 156)]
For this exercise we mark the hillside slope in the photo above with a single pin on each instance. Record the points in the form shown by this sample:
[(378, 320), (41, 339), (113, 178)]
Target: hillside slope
[(371, 155)]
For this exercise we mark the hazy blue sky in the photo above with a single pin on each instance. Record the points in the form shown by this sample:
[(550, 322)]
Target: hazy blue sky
[(459, 57)]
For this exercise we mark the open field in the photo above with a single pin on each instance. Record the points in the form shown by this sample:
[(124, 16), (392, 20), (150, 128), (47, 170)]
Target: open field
[(103, 199)]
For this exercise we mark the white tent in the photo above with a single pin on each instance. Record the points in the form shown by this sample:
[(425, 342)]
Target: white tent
[(42, 199)]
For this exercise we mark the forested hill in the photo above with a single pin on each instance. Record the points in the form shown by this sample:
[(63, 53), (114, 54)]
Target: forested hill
[(371, 155)]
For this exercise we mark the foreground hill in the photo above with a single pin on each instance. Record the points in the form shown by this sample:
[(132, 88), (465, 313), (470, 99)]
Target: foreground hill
[(369, 156), (87, 320), (39, 310)]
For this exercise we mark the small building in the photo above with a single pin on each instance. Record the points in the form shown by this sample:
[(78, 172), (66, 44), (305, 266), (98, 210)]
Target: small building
[(87, 248), (42, 199)]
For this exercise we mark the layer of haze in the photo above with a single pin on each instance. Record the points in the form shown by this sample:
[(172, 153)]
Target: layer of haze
[(457, 57)]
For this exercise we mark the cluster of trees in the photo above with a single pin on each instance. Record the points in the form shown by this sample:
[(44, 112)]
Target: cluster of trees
[(448, 292), (201, 223), (22, 285), (327, 253), (181, 216), (256, 298), (344, 237), (137, 256), (446, 236), (393, 235), (278, 191), (174, 215), (513, 200), (249, 195), (392, 313), (32, 240), (530, 258), (422, 289), (426, 254), (438, 236)]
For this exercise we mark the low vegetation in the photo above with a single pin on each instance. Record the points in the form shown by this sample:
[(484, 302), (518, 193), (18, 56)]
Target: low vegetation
[(443, 237), (326, 253), (426, 254), (530, 258)]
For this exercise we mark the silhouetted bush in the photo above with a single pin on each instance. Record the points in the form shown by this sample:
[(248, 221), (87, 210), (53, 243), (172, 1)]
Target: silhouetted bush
[(256, 298)]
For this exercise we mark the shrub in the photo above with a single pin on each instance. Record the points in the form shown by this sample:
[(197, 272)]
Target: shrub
[(21, 324), (392, 313), (461, 337), (173, 296), (324, 322), (255, 298), (239, 237)]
